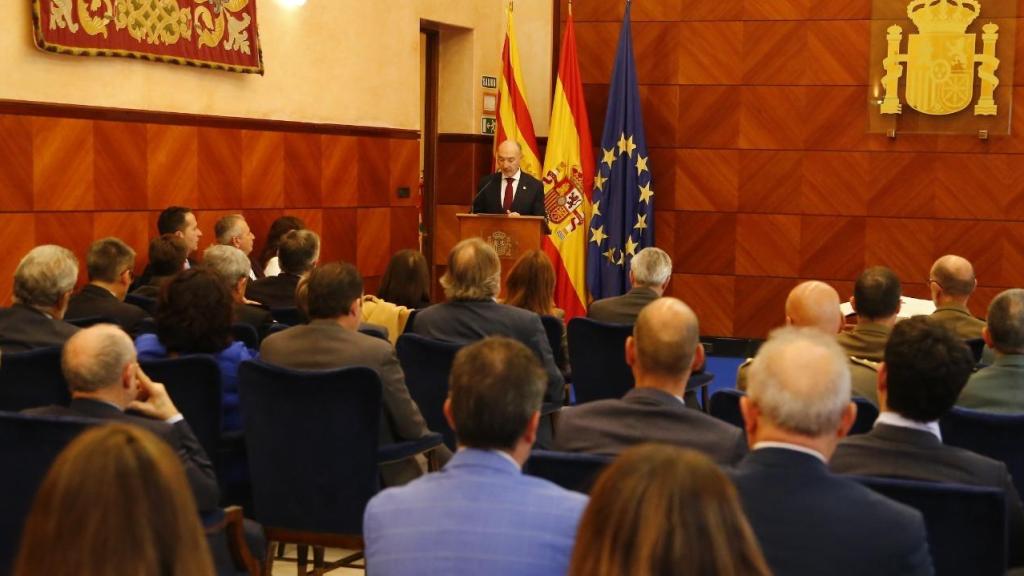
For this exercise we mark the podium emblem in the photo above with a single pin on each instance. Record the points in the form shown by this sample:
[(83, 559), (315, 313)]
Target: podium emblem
[(501, 242), (940, 60)]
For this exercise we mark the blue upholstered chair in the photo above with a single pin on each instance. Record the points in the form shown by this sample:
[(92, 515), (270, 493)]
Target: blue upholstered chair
[(597, 355), (998, 436), (31, 379), (311, 439), (569, 470), (88, 321), (427, 363), (193, 383), (977, 346), (553, 328), (725, 405), (966, 524), (867, 413), (291, 316), (147, 304), (247, 334), (28, 445)]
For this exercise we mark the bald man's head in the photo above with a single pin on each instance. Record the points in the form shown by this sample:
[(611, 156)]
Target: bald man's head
[(814, 304), (666, 336), (507, 157), (95, 358), (954, 275)]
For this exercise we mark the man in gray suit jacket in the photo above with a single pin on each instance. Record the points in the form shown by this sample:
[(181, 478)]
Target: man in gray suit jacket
[(925, 367), (649, 275), (43, 283), (330, 340), (1000, 387), (662, 352)]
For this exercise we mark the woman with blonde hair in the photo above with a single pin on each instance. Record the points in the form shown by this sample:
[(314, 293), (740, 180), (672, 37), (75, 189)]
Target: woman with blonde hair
[(114, 502), (661, 509)]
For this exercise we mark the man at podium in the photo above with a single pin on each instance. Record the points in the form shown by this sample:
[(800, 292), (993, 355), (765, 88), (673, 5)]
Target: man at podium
[(510, 190)]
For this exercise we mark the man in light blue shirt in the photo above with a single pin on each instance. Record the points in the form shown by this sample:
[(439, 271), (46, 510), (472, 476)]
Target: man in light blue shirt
[(480, 514)]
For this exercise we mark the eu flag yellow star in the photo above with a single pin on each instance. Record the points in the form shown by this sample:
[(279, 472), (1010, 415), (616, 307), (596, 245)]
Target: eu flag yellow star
[(641, 222), (610, 254), (630, 247), (646, 192), (596, 210), (609, 157), (630, 146), (599, 181), (641, 165), (597, 235), (622, 144)]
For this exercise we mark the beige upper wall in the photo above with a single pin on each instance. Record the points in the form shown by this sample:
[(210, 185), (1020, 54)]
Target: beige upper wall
[(330, 61)]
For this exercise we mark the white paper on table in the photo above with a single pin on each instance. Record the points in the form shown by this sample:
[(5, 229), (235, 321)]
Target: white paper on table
[(908, 307)]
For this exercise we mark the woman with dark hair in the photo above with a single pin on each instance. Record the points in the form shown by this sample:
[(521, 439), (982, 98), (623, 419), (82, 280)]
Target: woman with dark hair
[(661, 509), (406, 281), (193, 316), (268, 256), (115, 501)]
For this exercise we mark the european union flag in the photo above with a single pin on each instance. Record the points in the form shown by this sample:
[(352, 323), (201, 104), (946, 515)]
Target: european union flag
[(623, 215)]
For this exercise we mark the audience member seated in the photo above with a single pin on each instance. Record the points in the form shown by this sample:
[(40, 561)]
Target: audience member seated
[(43, 282), (109, 263), (406, 281), (194, 317), (480, 514), (1000, 387), (471, 284), (179, 221), (876, 300), (664, 510), (232, 265), (662, 352), (268, 261), (952, 282), (298, 253), (530, 285), (114, 501), (809, 521), (105, 380), (649, 274), (815, 304), (331, 341), (167, 256), (925, 368), (233, 230)]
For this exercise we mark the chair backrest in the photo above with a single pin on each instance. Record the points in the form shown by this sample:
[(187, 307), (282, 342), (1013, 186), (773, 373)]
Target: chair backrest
[(725, 405), (291, 315), (597, 355), (867, 413), (146, 326), (147, 304), (426, 364), (311, 439), (373, 330), (553, 328), (409, 321), (31, 379), (966, 524), (28, 445), (246, 334), (194, 384), (88, 321), (997, 436), (569, 470), (977, 346)]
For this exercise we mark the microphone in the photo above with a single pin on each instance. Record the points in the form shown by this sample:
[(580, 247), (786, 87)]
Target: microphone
[(487, 182)]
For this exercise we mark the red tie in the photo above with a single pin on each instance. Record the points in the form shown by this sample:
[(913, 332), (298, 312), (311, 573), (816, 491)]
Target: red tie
[(509, 191)]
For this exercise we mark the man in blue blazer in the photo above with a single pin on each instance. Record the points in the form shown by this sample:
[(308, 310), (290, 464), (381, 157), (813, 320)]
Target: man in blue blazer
[(480, 514), (809, 521)]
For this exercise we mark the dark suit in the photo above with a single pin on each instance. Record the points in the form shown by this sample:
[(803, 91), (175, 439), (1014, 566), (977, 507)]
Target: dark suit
[(528, 199), (646, 415), (466, 321), (898, 452), (810, 522), (622, 309), (94, 300), (274, 291), (325, 345), (24, 328), (256, 316), (179, 436)]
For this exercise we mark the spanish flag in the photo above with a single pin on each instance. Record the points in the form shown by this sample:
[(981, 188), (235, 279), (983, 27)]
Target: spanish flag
[(514, 122), (568, 181)]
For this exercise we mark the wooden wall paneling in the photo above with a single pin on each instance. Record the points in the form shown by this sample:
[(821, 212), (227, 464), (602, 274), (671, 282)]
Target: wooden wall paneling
[(373, 164), (655, 51), (15, 164), (980, 242), (662, 163), (259, 221), (708, 180), (972, 186), (710, 53), (770, 181), (17, 236), (207, 220), (907, 245), (705, 243), (665, 230), (1013, 257), (835, 183), (404, 228), (916, 290), (760, 305), (704, 10), (901, 185), (772, 117), (263, 165), (455, 183), (836, 118), (767, 245), (837, 52), (660, 105), (302, 170), (342, 169), (220, 168), (373, 240), (844, 288), (338, 235), (595, 45), (710, 297), (72, 230), (831, 247), (446, 230), (982, 297), (596, 98), (709, 116), (120, 165), (62, 164), (1014, 142), (404, 170), (774, 53), (172, 178), (610, 10), (131, 227)]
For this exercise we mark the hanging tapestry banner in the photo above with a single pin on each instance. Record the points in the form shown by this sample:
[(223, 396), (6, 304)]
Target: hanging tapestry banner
[(217, 34)]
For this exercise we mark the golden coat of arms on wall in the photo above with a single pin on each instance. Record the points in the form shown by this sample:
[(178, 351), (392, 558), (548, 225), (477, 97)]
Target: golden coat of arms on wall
[(940, 60)]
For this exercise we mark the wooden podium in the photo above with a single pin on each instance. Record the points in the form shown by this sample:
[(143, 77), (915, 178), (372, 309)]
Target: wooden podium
[(510, 236)]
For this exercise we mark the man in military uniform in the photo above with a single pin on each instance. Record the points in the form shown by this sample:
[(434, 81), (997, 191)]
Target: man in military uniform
[(876, 300), (952, 282), (815, 304), (1000, 387)]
